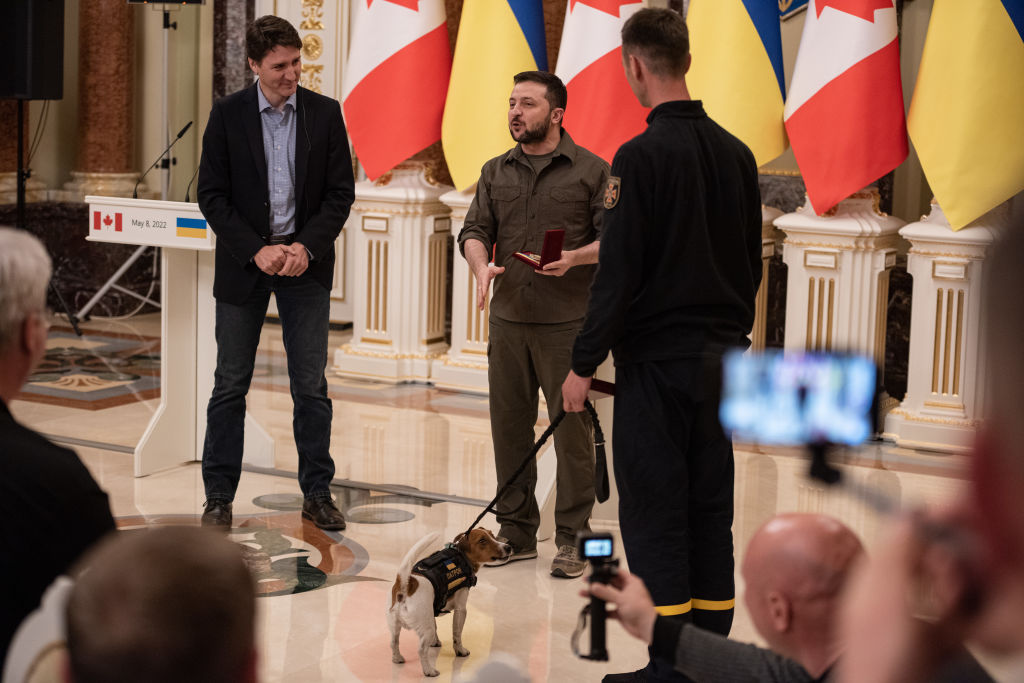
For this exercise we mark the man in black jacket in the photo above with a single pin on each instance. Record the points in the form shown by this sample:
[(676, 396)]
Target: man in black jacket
[(275, 185), (679, 268), (51, 509)]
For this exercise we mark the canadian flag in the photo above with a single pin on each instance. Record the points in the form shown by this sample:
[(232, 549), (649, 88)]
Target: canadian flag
[(396, 80), (102, 220), (844, 114), (602, 112)]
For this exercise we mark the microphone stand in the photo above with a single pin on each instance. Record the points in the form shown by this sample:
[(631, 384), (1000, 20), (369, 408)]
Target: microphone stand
[(159, 159), (112, 282)]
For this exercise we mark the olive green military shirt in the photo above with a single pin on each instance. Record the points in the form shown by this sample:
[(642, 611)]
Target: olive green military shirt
[(513, 208)]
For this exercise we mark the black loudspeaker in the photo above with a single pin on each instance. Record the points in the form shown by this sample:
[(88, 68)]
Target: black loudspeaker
[(32, 33)]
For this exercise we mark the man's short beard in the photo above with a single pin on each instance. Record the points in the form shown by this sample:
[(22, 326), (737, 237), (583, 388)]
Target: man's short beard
[(535, 134)]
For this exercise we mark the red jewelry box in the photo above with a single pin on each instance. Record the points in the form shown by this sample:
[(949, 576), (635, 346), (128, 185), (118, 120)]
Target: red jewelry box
[(549, 253)]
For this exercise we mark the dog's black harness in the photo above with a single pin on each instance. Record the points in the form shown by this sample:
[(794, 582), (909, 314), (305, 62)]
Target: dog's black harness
[(448, 570)]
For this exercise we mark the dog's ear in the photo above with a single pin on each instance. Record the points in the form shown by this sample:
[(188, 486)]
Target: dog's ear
[(462, 542)]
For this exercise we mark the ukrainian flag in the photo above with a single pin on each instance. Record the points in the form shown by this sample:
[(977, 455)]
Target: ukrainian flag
[(497, 39), (191, 227), (737, 70), (967, 115)]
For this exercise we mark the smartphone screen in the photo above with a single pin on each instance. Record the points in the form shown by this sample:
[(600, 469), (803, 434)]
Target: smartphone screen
[(597, 547), (794, 399)]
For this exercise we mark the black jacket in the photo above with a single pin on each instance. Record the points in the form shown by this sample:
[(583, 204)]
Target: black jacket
[(234, 198), (51, 511), (680, 259)]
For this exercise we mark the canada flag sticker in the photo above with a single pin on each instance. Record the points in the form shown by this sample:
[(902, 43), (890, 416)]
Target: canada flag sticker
[(101, 220)]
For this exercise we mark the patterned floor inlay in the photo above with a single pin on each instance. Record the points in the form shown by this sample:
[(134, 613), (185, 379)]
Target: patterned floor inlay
[(96, 371)]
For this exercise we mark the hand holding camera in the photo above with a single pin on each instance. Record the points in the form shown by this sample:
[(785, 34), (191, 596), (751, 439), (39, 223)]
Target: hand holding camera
[(597, 548), (634, 608)]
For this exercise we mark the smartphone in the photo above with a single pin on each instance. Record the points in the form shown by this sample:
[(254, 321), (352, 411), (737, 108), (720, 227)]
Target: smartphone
[(798, 398)]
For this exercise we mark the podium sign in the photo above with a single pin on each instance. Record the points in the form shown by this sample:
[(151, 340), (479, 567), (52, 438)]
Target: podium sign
[(175, 433), (178, 225)]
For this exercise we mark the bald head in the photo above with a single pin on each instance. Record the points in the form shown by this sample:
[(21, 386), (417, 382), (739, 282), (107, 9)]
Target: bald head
[(801, 555), (795, 567)]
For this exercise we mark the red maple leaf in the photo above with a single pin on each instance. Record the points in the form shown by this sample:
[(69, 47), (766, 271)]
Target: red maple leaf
[(607, 6), (414, 5), (865, 9), (107, 220)]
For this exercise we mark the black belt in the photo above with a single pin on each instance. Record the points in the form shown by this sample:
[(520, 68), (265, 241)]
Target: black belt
[(281, 239)]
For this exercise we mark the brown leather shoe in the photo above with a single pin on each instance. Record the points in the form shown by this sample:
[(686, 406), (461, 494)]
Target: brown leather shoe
[(217, 514), (324, 513)]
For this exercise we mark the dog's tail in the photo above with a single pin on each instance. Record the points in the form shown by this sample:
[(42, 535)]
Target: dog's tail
[(410, 559)]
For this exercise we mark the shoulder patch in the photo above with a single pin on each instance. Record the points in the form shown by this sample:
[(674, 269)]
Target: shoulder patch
[(611, 192)]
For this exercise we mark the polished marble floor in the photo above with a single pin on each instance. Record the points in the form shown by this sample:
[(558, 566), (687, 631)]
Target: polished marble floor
[(323, 595)]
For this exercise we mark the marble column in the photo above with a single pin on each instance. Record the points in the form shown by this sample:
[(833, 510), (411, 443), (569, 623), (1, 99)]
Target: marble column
[(464, 366), (106, 130), (839, 267), (945, 381), (400, 253), (230, 68)]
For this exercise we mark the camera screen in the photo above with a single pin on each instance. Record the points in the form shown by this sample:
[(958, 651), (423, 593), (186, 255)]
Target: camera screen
[(798, 398), (597, 547)]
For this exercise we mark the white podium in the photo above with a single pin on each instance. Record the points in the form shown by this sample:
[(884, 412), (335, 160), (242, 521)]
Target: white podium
[(188, 349)]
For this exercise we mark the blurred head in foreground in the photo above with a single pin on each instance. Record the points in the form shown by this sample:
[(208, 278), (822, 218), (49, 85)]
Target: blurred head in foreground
[(168, 605)]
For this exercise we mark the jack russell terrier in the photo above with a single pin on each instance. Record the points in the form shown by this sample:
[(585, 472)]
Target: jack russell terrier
[(435, 585)]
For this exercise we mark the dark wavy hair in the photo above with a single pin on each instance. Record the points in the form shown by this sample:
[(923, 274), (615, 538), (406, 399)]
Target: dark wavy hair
[(266, 33)]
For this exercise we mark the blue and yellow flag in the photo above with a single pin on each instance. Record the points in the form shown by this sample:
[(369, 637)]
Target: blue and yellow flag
[(967, 115), (737, 70), (497, 39)]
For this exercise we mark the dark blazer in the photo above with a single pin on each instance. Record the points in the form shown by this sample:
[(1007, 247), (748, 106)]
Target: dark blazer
[(234, 198), (52, 511)]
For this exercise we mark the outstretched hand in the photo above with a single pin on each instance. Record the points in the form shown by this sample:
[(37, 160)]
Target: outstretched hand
[(483, 282)]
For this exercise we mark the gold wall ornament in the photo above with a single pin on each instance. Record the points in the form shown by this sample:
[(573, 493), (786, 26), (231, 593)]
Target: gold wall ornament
[(313, 14), (312, 47), (311, 77)]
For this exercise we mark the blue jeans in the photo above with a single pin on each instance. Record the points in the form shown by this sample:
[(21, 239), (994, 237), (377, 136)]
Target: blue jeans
[(304, 307)]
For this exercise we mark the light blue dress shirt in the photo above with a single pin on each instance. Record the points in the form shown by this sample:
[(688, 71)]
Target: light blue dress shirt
[(279, 150)]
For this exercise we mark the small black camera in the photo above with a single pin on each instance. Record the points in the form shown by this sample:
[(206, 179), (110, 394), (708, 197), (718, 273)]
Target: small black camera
[(598, 548)]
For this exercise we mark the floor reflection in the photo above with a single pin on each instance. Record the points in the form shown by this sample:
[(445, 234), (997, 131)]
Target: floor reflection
[(324, 594)]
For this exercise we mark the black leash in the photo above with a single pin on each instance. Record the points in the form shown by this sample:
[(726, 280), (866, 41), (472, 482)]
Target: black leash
[(600, 462)]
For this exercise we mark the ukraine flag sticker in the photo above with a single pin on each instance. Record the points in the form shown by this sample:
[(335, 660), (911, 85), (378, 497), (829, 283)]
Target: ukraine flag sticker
[(191, 227)]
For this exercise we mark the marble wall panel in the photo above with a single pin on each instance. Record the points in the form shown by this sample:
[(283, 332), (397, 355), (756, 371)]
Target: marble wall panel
[(9, 135), (105, 84), (230, 69)]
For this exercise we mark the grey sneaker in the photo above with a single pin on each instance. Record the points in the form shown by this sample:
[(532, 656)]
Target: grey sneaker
[(567, 563), (514, 554)]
